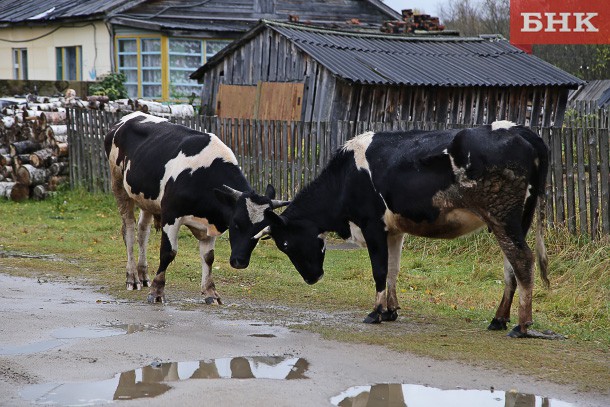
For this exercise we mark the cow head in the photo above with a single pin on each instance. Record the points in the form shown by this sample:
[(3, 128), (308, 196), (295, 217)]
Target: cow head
[(247, 220), (302, 243)]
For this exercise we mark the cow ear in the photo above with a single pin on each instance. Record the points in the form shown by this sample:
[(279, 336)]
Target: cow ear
[(274, 219), (227, 194), (270, 191)]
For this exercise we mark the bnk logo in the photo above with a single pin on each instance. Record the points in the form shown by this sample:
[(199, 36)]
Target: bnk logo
[(559, 22)]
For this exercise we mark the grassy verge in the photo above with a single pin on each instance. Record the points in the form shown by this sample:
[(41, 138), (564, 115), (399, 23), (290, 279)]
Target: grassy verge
[(448, 290)]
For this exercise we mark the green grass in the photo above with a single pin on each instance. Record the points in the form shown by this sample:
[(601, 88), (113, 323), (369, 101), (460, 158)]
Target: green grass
[(448, 290)]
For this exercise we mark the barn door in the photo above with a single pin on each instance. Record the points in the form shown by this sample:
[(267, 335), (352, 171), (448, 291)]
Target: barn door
[(266, 101)]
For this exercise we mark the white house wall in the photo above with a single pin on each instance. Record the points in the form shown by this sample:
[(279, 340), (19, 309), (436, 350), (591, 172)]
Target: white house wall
[(93, 38)]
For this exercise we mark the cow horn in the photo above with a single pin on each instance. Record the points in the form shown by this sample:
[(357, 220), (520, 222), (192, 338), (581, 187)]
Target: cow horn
[(263, 232), (276, 203), (233, 192)]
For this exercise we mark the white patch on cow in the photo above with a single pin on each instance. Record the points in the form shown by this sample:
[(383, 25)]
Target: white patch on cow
[(256, 212), (528, 191), (502, 124), (174, 167), (148, 118), (460, 172), (171, 230), (356, 235), (359, 145)]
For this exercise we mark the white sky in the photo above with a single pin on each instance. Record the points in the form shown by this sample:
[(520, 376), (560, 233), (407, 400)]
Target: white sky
[(427, 6)]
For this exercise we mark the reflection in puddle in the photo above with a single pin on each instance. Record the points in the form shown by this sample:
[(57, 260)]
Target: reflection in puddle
[(262, 335), (401, 395), (149, 381), (102, 331), (63, 334)]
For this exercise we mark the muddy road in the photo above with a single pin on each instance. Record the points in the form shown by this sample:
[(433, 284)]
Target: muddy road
[(63, 343)]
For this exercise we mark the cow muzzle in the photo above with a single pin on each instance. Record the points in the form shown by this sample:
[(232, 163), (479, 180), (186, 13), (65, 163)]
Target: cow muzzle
[(238, 263)]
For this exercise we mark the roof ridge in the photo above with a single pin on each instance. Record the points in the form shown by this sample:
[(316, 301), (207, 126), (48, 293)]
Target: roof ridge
[(368, 34)]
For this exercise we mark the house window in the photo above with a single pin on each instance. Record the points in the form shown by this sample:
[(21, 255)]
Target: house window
[(20, 63), (150, 57), (69, 63), (159, 68), (185, 57), (140, 62), (128, 65)]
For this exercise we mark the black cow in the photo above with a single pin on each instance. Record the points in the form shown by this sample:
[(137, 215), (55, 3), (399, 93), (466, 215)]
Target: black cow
[(438, 184), (179, 176)]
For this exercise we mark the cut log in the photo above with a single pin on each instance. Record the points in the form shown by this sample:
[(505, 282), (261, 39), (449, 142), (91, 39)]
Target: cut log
[(49, 118), (29, 175), (20, 192), (55, 181), (24, 147), (7, 171), (41, 158), (60, 168), (61, 150), (5, 189), (21, 159), (40, 193), (6, 159)]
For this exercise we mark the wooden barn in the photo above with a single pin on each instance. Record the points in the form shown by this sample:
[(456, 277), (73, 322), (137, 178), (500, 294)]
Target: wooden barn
[(299, 72)]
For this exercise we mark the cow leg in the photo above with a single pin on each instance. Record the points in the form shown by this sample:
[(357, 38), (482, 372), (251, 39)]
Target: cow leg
[(167, 253), (143, 233), (519, 255), (394, 250), (377, 245), (502, 317), (126, 209), (208, 289)]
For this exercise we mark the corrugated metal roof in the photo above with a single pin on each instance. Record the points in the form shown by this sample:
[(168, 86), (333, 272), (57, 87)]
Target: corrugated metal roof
[(442, 61), (20, 11)]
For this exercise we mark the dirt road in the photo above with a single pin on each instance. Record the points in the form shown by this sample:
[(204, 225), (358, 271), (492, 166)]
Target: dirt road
[(67, 344)]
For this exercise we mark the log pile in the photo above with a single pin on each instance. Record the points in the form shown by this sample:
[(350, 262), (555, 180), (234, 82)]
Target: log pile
[(33, 149), (34, 139), (411, 23)]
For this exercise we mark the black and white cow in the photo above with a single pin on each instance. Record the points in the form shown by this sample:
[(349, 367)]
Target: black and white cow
[(437, 184), (179, 176)]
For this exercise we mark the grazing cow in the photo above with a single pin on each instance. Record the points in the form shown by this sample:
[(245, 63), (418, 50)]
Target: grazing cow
[(178, 176), (438, 184)]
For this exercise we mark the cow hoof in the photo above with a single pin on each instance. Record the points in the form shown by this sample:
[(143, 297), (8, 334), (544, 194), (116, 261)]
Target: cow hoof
[(548, 334), (498, 325), (516, 333), (212, 301), (389, 315), (374, 317), (134, 286), (152, 299), (145, 283)]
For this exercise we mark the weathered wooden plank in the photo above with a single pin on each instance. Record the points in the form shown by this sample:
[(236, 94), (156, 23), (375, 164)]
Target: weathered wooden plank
[(604, 153), (558, 191), (581, 181), (570, 193), (592, 142)]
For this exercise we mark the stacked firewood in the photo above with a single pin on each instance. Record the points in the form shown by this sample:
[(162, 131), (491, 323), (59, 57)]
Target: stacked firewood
[(33, 150), (34, 139), (411, 23)]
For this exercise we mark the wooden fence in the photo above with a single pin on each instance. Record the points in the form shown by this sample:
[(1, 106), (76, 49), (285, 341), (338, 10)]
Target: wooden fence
[(289, 155)]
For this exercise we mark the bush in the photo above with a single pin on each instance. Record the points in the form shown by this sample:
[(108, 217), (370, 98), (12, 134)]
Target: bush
[(111, 85)]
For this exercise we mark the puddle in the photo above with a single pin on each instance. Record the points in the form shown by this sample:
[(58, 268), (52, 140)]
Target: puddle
[(399, 395), (20, 255), (151, 381), (63, 335)]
